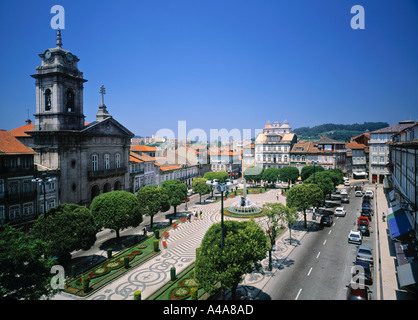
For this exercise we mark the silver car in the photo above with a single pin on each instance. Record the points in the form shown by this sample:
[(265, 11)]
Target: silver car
[(355, 237), (364, 253)]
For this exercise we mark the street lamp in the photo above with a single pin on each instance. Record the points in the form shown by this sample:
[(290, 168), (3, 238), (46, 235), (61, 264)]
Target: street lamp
[(222, 187), (314, 163), (42, 182)]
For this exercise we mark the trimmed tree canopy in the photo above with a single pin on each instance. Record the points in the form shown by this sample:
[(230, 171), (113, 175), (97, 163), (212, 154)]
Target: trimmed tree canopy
[(245, 245), (116, 210), (66, 228)]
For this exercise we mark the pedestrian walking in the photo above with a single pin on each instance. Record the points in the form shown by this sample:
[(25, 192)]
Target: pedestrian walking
[(195, 215), (200, 214), (144, 230), (383, 216), (188, 217)]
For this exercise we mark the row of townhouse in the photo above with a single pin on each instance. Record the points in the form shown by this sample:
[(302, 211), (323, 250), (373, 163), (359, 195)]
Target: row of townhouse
[(149, 166)]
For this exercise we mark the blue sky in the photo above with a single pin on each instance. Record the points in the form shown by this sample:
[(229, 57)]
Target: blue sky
[(220, 63)]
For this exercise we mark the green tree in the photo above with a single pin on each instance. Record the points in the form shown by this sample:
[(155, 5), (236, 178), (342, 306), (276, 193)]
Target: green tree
[(152, 199), (308, 170), (271, 175), (288, 215), (25, 273), (302, 197), (199, 186), (288, 174), (336, 175), (66, 228), (176, 191), (116, 210), (323, 181), (253, 174), (271, 211), (245, 245)]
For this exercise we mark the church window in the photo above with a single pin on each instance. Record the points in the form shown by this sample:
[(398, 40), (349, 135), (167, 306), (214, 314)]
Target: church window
[(107, 161), (69, 97), (95, 162), (48, 96), (117, 160)]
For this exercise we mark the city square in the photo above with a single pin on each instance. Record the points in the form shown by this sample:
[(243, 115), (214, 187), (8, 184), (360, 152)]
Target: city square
[(140, 162)]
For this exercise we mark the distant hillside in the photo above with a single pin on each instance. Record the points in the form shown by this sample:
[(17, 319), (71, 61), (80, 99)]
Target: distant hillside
[(341, 132)]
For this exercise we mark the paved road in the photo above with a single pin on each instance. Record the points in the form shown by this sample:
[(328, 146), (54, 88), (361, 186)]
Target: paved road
[(320, 269)]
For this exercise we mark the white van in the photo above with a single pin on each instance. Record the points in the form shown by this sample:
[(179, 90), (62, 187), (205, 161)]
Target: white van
[(343, 192), (369, 193)]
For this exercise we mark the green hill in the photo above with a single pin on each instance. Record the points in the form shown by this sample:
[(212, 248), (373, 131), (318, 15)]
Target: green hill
[(341, 132)]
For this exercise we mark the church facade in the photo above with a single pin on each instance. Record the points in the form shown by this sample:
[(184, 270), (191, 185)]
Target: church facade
[(90, 158)]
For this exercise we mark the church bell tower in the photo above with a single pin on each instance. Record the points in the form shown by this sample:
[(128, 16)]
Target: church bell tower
[(59, 90)]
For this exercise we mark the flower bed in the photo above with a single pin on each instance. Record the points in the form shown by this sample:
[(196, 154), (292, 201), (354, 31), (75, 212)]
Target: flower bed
[(109, 269), (182, 291)]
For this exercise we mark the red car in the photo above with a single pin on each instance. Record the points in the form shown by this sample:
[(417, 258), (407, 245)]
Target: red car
[(359, 293), (363, 220)]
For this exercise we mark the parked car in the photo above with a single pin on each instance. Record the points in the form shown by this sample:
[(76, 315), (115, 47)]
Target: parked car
[(364, 229), (366, 206), (367, 201), (345, 199), (340, 211), (358, 193), (326, 221), (369, 193), (347, 182), (357, 292), (362, 273), (364, 253), (367, 214), (367, 198), (364, 220), (344, 192), (355, 237)]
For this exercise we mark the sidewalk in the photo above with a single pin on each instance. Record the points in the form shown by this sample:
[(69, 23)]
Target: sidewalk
[(181, 251), (186, 237), (387, 287)]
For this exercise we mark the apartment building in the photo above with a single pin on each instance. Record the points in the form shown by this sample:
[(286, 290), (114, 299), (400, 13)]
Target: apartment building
[(379, 150)]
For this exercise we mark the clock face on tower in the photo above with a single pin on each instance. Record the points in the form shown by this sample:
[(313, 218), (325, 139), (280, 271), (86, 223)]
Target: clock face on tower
[(69, 57), (47, 54)]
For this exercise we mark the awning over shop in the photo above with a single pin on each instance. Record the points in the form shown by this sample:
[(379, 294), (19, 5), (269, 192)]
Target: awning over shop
[(394, 211), (360, 173), (408, 274), (398, 223)]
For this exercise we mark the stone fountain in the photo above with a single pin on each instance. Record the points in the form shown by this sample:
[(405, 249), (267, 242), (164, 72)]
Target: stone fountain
[(244, 206)]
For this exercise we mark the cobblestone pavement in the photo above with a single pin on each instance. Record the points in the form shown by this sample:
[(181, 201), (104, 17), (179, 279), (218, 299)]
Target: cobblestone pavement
[(181, 251)]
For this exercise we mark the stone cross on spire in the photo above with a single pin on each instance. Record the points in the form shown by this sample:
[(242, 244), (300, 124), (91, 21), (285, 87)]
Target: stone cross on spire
[(102, 113), (103, 92), (59, 40)]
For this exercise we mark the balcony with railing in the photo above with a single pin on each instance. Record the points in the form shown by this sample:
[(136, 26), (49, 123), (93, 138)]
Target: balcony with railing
[(94, 174)]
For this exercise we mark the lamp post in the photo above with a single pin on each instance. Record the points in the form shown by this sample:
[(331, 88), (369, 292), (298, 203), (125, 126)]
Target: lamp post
[(222, 187), (42, 182), (314, 163)]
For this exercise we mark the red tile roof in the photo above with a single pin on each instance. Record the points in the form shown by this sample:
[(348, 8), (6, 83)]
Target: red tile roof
[(20, 131), (10, 145), (144, 148), (353, 145)]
